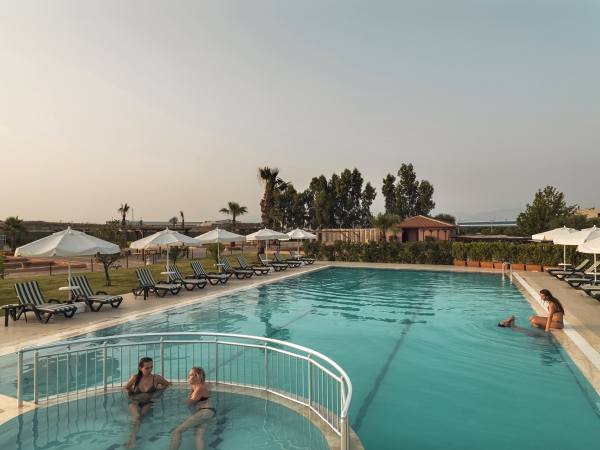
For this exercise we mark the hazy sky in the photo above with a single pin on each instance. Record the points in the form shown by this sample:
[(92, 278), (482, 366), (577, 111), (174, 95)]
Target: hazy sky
[(173, 106)]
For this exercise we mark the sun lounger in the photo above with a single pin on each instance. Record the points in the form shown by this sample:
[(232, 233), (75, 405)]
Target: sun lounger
[(147, 284), (212, 277), (275, 265), (289, 262), (85, 294), (188, 283), (561, 273), (577, 275), (302, 258), (591, 289), (239, 273), (258, 270), (31, 298)]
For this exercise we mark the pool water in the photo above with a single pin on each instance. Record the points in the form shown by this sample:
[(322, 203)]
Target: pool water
[(429, 367), (103, 423)]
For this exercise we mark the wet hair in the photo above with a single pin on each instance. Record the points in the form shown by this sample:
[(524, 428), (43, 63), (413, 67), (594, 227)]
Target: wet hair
[(199, 371), (500, 324), (550, 298), (138, 377)]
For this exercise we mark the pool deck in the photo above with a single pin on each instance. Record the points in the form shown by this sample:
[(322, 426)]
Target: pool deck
[(580, 338)]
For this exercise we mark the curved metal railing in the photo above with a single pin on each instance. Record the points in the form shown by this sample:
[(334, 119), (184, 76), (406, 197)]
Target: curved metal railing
[(297, 373)]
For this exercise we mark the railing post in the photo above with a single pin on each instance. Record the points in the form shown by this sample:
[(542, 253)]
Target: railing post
[(345, 434), (104, 371), (162, 356), (19, 378), (216, 359), (309, 378), (35, 377), (266, 368)]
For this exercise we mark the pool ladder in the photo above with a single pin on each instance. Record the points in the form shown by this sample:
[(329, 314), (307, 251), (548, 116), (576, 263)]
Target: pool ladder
[(504, 264)]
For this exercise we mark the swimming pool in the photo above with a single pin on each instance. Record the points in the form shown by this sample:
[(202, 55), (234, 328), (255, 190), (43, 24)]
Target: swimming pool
[(429, 367)]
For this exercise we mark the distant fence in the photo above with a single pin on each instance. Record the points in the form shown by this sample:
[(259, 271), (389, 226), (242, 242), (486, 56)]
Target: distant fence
[(348, 235), (487, 223)]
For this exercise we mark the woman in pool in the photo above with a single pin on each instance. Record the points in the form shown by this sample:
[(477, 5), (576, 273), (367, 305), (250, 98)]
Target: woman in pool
[(556, 313), (141, 390), (199, 400), (510, 323)]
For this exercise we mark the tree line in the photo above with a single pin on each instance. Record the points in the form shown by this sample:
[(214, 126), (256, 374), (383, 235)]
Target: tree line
[(340, 201)]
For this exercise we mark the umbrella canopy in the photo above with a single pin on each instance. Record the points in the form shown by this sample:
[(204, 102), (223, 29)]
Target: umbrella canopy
[(555, 234), (163, 238), (67, 243), (300, 234), (265, 234), (217, 235), (552, 234), (591, 246), (580, 237)]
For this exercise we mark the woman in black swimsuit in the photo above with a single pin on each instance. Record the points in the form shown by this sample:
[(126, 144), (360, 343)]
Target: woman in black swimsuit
[(556, 313), (199, 400), (141, 390)]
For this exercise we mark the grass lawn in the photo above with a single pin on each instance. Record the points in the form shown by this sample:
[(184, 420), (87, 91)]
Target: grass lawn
[(123, 280)]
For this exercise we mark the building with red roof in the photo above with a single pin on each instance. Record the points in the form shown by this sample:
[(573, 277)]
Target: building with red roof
[(418, 228)]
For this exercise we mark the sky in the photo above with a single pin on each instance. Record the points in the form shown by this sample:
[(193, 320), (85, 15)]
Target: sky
[(173, 106)]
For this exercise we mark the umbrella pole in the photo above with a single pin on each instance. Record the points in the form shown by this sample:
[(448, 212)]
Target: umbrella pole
[(565, 256), (69, 275), (595, 270), (219, 255)]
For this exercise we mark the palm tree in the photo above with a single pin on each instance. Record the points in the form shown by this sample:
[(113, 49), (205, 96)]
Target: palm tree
[(123, 210), (384, 222), (182, 219), (234, 209), (269, 176), (13, 225)]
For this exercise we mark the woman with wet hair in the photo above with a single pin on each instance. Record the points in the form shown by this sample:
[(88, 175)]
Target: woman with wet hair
[(203, 412), (141, 390), (556, 313)]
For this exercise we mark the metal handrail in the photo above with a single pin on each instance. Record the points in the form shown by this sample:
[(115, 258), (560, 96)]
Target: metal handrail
[(305, 376), (509, 264)]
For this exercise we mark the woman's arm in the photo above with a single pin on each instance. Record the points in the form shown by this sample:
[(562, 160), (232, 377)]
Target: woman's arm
[(129, 386), (164, 383), (550, 314)]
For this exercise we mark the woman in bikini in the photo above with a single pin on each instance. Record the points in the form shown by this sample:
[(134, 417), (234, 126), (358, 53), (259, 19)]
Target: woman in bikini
[(199, 401), (556, 313), (141, 390)]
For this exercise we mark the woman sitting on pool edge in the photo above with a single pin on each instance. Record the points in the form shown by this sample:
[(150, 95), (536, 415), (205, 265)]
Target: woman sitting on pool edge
[(141, 390), (556, 313)]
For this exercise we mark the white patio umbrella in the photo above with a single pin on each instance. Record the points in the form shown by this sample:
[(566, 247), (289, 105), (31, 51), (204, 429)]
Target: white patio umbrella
[(300, 235), (591, 246), (217, 235), (554, 234), (265, 234), (579, 237), (164, 238), (67, 243)]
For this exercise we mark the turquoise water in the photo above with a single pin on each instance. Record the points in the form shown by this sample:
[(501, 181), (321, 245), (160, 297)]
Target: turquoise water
[(103, 423), (429, 366)]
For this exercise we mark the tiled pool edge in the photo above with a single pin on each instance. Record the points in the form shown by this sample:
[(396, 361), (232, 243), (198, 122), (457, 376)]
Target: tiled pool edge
[(577, 347)]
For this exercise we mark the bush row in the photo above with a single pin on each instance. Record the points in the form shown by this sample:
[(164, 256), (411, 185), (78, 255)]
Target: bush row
[(538, 254), (442, 252), (428, 252)]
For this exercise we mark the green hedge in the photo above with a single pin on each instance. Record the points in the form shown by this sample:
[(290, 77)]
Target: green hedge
[(538, 254), (442, 252), (429, 252)]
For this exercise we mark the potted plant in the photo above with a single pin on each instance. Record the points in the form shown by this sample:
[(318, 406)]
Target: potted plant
[(459, 251)]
